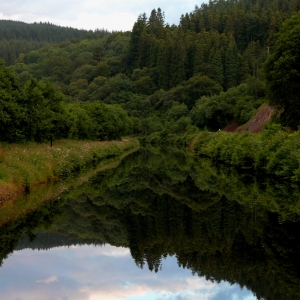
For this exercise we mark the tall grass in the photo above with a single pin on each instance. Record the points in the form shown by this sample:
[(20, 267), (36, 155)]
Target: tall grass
[(23, 204), (23, 166)]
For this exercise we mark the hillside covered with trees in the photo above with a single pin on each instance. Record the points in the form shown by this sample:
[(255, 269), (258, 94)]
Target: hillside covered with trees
[(205, 72), (18, 37), (36, 111)]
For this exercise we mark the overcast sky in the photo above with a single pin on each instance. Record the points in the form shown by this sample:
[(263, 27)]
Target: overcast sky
[(92, 14)]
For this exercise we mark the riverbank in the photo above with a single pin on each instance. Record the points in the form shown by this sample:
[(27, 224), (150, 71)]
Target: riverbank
[(25, 166), (273, 151)]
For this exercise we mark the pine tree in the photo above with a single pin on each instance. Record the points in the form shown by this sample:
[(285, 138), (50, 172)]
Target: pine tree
[(164, 62), (216, 67), (156, 23), (232, 66), (178, 60), (138, 29)]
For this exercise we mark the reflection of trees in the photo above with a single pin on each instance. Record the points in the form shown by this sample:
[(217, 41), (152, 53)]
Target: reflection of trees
[(219, 225), (12, 232), (221, 243), (161, 205)]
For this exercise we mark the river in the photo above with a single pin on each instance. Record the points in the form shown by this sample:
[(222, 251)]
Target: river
[(162, 225)]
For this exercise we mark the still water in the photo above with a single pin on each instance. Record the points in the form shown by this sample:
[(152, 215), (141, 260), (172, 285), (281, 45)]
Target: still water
[(160, 225)]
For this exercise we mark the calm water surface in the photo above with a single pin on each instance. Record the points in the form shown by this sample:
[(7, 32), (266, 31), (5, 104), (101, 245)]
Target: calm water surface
[(162, 225)]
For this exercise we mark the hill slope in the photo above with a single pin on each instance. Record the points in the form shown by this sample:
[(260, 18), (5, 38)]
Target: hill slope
[(19, 37)]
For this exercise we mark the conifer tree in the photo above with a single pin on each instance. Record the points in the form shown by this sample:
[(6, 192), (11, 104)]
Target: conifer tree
[(282, 71), (232, 66), (216, 67), (138, 29), (178, 60)]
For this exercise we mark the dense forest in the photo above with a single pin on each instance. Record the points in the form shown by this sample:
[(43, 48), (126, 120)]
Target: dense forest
[(18, 37), (36, 111), (205, 72)]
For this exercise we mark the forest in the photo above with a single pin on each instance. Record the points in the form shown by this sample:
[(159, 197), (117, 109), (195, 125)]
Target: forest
[(18, 37), (221, 64)]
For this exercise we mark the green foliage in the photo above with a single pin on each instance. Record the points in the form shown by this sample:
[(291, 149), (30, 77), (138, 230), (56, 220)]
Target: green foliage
[(272, 151), (232, 65), (102, 69), (282, 71), (19, 38), (36, 112), (178, 111), (24, 166), (150, 70), (120, 89), (198, 86), (237, 104)]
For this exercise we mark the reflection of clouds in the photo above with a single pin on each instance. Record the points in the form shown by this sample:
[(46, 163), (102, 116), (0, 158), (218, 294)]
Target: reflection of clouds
[(137, 291), (163, 289), (92, 251), (233, 292), (89, 272), (115, 251), (48, 280)]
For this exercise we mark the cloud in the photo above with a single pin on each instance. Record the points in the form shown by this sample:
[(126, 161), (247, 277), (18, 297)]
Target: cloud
[(48, 280), (92, 14)]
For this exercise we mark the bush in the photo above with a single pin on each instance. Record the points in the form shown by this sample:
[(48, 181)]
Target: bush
[(273, 151)]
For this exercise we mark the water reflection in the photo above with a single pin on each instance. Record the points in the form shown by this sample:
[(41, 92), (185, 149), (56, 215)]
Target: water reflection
[(102, 273), (214, 222)]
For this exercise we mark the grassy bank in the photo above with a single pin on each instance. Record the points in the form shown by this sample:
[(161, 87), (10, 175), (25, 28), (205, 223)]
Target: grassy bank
[(24, 166), (21, 205), (273, 151)]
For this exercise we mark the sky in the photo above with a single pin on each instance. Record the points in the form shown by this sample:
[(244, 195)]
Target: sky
[(114, 15), (103, 273)]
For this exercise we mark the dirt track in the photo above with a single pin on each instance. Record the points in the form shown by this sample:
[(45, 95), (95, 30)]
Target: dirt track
[(256, 123), (259, 120)]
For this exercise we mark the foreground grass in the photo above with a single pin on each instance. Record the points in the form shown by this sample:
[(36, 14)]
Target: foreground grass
[(24, 166)]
